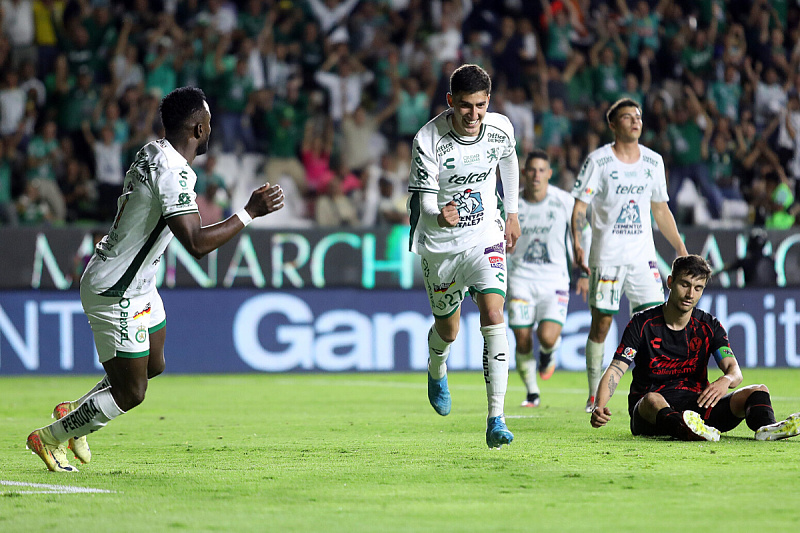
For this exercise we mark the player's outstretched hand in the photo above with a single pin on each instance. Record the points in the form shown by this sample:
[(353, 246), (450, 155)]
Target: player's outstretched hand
[(448, 218), (264, 200), (600, 416)]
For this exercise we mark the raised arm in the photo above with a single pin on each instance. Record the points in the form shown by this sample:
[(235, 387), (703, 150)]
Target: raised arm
[(200, 240)]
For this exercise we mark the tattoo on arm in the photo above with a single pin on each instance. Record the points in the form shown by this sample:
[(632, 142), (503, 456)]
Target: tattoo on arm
[(612, 385), (580, 220)]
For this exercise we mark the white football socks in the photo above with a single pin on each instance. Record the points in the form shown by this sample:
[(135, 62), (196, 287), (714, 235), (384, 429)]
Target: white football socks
[(102, 384), (594, 364), (495, 366), (93, 414), (526, 366), (438, 350)]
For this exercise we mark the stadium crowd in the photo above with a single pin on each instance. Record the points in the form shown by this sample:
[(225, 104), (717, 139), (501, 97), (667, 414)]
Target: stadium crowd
[(329, 94)]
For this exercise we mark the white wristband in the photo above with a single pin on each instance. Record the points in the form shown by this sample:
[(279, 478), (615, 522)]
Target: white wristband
[(244, 216)]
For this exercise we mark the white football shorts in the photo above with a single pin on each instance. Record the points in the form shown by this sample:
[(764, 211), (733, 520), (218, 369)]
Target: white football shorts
[(641, 283), (122, 326), (531, 302), (448, 277)]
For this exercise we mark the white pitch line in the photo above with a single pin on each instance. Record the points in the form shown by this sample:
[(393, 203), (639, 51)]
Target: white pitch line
[(53, 489)]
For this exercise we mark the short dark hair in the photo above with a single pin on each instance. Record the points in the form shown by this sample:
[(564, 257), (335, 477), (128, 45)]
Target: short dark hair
[(180, 106), (469, 79), (537, 153), (692, 265), (611, 114)]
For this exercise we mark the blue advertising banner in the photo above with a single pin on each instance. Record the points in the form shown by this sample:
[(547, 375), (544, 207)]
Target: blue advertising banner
[(333, 330)]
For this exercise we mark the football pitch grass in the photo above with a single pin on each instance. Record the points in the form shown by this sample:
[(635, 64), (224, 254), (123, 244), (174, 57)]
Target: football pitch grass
[(366, 452)]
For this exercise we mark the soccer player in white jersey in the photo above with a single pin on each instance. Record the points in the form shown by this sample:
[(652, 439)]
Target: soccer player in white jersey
[(539, 272), (118, 287), (624, 182), (458, 230)]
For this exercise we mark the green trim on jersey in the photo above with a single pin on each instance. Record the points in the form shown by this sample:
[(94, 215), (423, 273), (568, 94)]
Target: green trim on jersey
[(181, 213), (413, 217), (646, 306), (528, 326), (119, 288), (133, 355), (490, 291), (157, 327)]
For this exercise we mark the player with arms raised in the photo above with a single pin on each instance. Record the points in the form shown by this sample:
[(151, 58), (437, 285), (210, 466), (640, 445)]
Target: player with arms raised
[(118, 287), (458, 230), (539, 272), (624, 182)]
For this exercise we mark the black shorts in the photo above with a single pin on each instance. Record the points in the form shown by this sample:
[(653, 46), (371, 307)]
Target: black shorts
[(719, 416)]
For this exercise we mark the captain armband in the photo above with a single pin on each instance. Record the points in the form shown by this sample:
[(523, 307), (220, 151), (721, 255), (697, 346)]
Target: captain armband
[(722, 353)]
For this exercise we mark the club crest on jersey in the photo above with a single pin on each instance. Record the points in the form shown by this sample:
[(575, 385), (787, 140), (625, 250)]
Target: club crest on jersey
[(493, 154), (629, 221), (470, 208)]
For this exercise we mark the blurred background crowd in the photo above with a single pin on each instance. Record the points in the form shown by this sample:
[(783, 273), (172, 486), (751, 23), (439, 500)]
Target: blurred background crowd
[(325, 96)]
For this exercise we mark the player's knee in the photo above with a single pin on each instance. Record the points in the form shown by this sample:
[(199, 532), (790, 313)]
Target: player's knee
[(653, 400), (154, 368), (760, 387), (492, 317), (549, 341), (130, 395)]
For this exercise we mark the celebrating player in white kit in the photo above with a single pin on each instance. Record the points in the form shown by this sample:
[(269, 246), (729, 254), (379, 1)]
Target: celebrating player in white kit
[(539, 272), (118, 287), (458, 230), (624, 182)]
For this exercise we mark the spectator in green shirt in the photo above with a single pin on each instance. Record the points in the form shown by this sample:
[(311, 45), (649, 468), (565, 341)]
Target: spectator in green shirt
[(44, 155), (556, 126), (686, 137), (235, 105), (725, 95), (79, 102)]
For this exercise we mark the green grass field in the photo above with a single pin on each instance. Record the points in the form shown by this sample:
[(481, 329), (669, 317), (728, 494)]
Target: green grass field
[(365, 452)]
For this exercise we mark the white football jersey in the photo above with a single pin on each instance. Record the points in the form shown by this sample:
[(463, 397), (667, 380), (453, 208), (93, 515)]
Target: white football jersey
[(543, 251), (158, 185), (462, 170), (620, 196)]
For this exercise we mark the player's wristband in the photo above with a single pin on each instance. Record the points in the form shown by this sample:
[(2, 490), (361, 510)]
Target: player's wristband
[(244, 216)]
